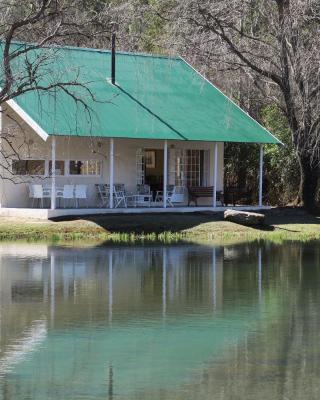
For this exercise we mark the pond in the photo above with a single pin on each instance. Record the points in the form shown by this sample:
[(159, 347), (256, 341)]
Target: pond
[(162, 322)]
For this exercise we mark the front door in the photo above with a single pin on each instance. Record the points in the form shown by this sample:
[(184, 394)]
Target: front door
[(154, 169)]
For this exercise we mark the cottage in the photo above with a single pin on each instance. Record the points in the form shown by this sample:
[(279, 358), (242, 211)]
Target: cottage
[(137, 134)]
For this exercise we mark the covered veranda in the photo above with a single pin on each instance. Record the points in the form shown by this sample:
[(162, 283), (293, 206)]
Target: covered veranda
[(118, 167), (111, 198), (111, 173)]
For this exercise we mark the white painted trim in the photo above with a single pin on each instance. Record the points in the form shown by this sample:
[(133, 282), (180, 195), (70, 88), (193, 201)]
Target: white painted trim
[(248, 115), (215, 174), (261, 176), (67, 167), (30, 159), (68, 174), (26, 117), (53, 173)]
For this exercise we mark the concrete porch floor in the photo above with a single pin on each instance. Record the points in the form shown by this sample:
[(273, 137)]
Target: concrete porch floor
[(43, 213)]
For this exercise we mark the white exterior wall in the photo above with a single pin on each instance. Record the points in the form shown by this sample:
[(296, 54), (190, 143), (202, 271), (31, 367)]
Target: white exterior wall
[(15, 194)]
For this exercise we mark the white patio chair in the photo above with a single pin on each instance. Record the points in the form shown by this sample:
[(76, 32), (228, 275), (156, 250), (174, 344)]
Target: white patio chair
[(67, 194), (59, 195), (80, 194), (30, 192), (175, 195), (119, 196), (36, 191), (104, 194)]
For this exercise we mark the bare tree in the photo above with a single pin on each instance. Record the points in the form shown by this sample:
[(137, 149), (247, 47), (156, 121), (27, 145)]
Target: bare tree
[(276, 43), (44, 24)]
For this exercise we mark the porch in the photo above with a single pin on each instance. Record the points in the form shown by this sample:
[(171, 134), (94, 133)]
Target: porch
[(43, 213), (110, 173)]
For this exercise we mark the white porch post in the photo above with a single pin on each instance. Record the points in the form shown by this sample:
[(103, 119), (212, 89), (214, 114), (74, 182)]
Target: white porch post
[(215, 175), (53, 173), (165, 173), (111, 171), (261, 175)]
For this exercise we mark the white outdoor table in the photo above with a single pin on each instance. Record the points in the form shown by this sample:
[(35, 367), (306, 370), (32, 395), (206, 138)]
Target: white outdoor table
[(141, 199)]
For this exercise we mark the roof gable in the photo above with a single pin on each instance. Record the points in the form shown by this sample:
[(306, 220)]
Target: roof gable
[(154, 98)]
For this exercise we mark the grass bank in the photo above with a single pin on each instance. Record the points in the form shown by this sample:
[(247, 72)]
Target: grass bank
[(281, 224)]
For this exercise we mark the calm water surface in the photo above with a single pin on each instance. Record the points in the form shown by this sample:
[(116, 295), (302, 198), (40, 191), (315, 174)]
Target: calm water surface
[(153, 322)]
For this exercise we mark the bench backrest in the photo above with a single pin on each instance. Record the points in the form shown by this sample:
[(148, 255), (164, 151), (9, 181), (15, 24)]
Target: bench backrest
[(201, 191)]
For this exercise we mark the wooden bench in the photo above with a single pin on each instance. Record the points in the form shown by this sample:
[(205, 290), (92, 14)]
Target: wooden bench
[(195, 192)]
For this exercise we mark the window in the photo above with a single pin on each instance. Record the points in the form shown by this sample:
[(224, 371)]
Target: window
[(179, 167), (192, 167), (140, 166), (88, 167), (59, 167), (28, 167)]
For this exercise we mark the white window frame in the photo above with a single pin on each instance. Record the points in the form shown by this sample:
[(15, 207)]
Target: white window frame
[(67, 169), (183, 155), (140, 166), (48, 167), (30, 159)]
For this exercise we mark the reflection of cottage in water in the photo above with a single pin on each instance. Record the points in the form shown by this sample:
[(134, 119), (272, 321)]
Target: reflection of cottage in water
[(134, 274), (107, 306), (174, 275)]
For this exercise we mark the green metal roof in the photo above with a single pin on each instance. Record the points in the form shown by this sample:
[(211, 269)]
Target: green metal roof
[(154, 98)]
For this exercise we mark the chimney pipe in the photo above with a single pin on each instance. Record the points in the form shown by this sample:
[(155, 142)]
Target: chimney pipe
[(113, 59)]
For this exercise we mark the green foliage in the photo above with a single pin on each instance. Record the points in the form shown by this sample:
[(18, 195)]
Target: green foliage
[(241, 169), (151, 27), (281, 169), (281, 164), (141, 24), (155, 29)]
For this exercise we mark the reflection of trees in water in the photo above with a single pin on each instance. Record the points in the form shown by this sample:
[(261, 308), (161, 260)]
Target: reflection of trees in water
[(281, 360), (81, 279)]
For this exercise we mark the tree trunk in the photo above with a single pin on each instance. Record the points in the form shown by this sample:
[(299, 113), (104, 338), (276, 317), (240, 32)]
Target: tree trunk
[(309, 185)]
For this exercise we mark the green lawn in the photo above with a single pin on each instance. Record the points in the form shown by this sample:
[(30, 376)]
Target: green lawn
[(293, 224)]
